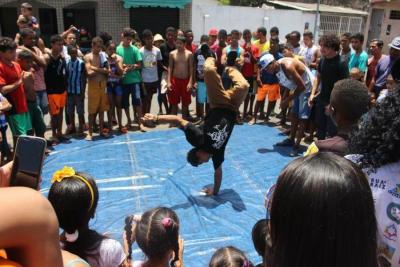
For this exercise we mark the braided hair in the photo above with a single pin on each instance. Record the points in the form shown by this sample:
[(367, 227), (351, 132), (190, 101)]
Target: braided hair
[(157, 233)]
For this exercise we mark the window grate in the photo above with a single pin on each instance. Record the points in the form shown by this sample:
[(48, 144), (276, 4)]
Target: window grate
[(394, 14)]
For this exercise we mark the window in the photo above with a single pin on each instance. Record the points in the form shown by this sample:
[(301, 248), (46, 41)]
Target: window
[(8, 21), (48, 23), (340, 24), (394, 14)]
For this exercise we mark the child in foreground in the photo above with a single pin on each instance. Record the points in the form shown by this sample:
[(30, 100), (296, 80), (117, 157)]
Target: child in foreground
[(262, 241), (157, 235), (229, 256), (74, 197)]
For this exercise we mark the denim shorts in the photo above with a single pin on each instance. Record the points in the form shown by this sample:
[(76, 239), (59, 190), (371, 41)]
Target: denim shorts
[(132, 90), (75, 101), (114, 89), (201, 92), (301, 107)]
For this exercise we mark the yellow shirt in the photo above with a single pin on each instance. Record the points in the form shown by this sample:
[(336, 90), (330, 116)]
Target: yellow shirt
[(262, 48)]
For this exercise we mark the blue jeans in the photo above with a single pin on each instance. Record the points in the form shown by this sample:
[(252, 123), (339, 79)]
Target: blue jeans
[(42, 101)]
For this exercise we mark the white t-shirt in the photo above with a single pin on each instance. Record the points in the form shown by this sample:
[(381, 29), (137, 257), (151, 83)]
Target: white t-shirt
[(150, 58), (308, 53), (110, 254), (385, 187)]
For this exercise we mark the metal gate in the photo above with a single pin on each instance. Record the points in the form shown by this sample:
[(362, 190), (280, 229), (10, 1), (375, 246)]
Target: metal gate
[(340, 24)]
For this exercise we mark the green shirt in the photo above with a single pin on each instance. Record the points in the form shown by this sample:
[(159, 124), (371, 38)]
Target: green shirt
[(130, 55)]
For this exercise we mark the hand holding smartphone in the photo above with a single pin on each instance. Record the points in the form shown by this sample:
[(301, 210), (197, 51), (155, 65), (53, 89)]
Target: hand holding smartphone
[(28, 161)]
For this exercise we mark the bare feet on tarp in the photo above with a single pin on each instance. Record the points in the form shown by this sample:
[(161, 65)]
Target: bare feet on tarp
[(208, 191)]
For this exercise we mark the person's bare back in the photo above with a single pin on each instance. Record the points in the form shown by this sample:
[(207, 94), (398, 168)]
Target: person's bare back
[(181, 63), (293, 65), (93, 63), (28, 81)]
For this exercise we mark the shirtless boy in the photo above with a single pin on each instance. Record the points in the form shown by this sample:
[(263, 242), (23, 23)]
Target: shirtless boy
[(97, 72), (298, 78), (25, 60), (180, 74)]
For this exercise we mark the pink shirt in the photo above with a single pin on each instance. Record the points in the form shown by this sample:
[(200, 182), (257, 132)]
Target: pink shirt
[(39, 83), (38, 76)]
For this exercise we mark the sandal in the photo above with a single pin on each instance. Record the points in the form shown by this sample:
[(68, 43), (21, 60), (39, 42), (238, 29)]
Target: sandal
[(123, 130), (105, 133), (142, 128), (89, 137)]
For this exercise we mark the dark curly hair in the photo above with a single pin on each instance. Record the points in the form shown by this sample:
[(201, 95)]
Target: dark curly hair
[(330, 41), (378, 139), (7, 43)]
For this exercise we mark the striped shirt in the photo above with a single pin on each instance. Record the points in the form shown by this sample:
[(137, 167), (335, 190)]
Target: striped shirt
[(76, 76)]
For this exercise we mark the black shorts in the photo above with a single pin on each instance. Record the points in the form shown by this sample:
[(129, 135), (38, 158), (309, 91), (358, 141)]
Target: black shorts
[(151, 88), (250, 80)]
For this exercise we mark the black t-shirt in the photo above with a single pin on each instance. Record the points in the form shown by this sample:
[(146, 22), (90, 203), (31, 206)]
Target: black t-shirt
[(165, 50), (55, 76), (214, 134), (331, 70)]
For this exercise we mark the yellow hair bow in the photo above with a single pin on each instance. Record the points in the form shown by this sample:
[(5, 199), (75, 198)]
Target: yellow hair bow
[(69, 172)]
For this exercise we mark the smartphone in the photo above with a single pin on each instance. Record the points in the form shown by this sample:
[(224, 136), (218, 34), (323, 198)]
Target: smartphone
[(28, 161)]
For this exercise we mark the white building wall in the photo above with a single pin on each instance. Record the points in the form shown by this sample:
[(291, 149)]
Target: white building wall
[(206, 16)]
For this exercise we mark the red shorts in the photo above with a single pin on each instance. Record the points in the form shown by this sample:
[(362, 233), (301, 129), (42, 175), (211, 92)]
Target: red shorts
[(179, 92)]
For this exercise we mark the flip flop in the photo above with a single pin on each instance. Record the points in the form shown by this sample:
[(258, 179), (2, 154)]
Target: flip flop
[(123, 130), (142, 129), (252, 122)]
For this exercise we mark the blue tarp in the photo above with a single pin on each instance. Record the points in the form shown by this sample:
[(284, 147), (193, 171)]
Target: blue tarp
[(136, 172)]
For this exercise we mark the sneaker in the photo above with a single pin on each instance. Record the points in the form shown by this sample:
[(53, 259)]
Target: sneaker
[(286, 142), (295, 151)]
